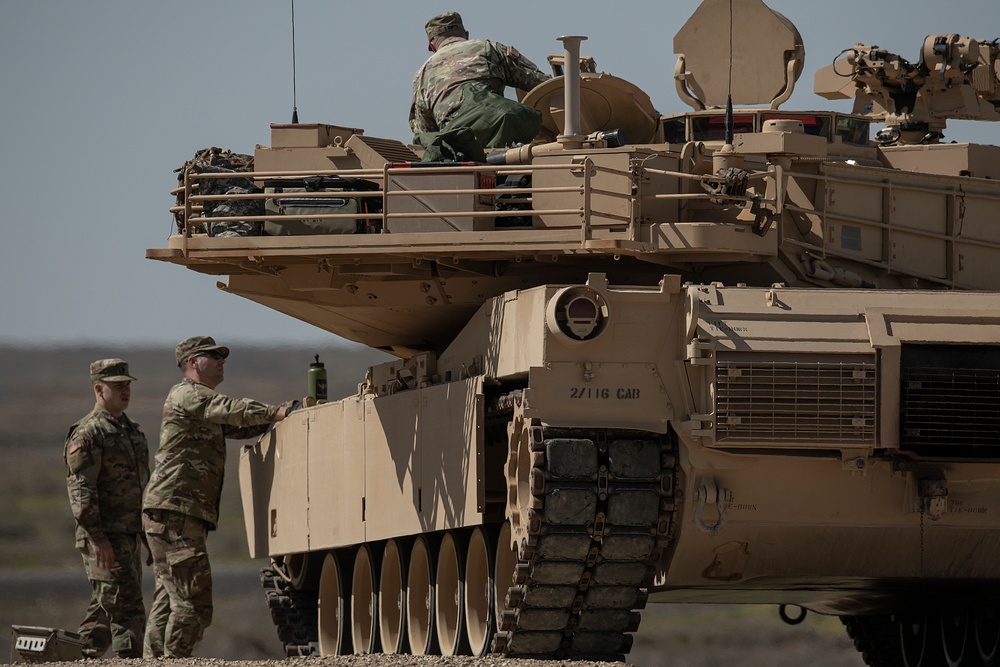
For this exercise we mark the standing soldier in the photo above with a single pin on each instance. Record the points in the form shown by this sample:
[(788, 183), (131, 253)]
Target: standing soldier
[(458, 94), (182, 501), (107, 467)]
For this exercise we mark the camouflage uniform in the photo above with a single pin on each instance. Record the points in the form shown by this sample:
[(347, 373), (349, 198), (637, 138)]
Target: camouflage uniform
[(218, 161), (107, 467), (181, 503), (156, 626), (462, 86)]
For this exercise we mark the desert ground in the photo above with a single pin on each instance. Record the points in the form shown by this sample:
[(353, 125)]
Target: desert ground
[(43, 391)]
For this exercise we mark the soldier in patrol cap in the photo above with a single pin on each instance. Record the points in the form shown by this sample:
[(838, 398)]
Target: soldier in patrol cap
[(181, 503), (458, 107), (107, 467)]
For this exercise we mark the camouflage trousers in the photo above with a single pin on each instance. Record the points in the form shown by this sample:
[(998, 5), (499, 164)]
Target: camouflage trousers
[(180, 563), (156, 624), (115, 617)]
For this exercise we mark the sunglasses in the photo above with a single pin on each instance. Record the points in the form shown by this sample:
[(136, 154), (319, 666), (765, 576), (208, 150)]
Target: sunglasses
[(211, 354)]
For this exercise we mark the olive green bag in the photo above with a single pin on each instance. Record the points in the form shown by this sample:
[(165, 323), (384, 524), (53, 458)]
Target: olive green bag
[(282, 201)]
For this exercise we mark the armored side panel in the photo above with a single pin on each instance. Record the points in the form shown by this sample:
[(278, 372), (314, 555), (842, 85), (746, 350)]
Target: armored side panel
[(819, 431), (366, 468), (970, 160)]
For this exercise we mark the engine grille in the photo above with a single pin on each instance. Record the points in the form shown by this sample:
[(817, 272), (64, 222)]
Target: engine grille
[(950, 400), (791, 402)]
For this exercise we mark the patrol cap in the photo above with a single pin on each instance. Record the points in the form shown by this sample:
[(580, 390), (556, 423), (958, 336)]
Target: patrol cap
[(196, 344), (109, 370), (443, 23)]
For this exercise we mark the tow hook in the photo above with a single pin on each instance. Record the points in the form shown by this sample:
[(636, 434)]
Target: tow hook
[(721, 497), (934, 497), (787, 618)]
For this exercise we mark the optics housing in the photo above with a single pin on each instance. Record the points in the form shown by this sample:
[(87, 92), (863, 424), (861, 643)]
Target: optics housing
[(577, 314)]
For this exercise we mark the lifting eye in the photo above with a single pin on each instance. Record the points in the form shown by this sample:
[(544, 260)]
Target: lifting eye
[(577, 314)]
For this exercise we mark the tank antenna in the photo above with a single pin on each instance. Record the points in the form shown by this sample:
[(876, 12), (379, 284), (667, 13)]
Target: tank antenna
[(295, 109), (729, 89)]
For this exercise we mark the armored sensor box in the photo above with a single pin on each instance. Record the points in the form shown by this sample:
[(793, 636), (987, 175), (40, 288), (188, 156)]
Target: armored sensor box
[(37, 644)]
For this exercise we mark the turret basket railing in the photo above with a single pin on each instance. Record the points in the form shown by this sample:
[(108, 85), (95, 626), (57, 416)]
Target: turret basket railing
[(574, 203)]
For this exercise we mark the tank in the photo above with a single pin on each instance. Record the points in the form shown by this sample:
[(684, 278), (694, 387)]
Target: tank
[(737, 355)]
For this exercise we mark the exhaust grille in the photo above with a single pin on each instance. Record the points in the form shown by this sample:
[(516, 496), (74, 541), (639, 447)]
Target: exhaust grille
[(796, 402), (950, 400)]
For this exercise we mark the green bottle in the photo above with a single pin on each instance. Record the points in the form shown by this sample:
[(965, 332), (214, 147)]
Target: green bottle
[(317, 380)]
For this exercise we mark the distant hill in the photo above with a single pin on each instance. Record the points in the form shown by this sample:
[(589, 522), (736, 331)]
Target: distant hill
[(43, 391)]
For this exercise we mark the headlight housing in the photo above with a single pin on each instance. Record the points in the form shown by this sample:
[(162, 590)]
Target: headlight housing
[(577, 314)]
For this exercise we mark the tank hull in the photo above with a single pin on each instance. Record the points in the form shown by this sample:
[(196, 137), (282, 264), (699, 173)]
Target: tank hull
[(791, 450)]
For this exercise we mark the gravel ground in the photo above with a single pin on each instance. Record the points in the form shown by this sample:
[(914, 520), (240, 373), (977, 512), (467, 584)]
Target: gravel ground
[(241, 634), (377, 660)]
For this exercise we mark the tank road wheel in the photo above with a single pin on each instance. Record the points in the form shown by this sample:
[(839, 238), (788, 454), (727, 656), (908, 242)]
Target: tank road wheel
[(420, 598), (333, 609), (364, 619), (480, 621), (912, 639), (920, 640), (391, 599), (297, 566), (956, 639), (449, 581), (986, 631), (505, 562)]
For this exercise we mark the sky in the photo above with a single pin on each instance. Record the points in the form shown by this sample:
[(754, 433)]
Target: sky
[(100, 101)]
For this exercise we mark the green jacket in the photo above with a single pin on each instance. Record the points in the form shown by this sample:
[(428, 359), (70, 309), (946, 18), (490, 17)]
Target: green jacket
[(107, 467), (190, 462)]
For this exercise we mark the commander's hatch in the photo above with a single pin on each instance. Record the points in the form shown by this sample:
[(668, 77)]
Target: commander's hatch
[(737, 47), (607, 103)]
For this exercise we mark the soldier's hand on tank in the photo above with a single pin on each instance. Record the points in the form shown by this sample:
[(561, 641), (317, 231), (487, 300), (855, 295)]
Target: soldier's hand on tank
[(286, 409)]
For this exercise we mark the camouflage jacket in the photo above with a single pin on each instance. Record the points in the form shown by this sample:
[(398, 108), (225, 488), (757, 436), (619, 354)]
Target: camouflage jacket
[(107, 467), (191, 460), (440, 84)]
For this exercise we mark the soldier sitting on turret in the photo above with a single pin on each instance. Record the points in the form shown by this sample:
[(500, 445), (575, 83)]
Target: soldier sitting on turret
[(458, 107)]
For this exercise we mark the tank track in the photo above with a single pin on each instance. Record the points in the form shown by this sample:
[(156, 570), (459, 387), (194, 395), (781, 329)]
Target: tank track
[(293, 612), (602, 507)]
